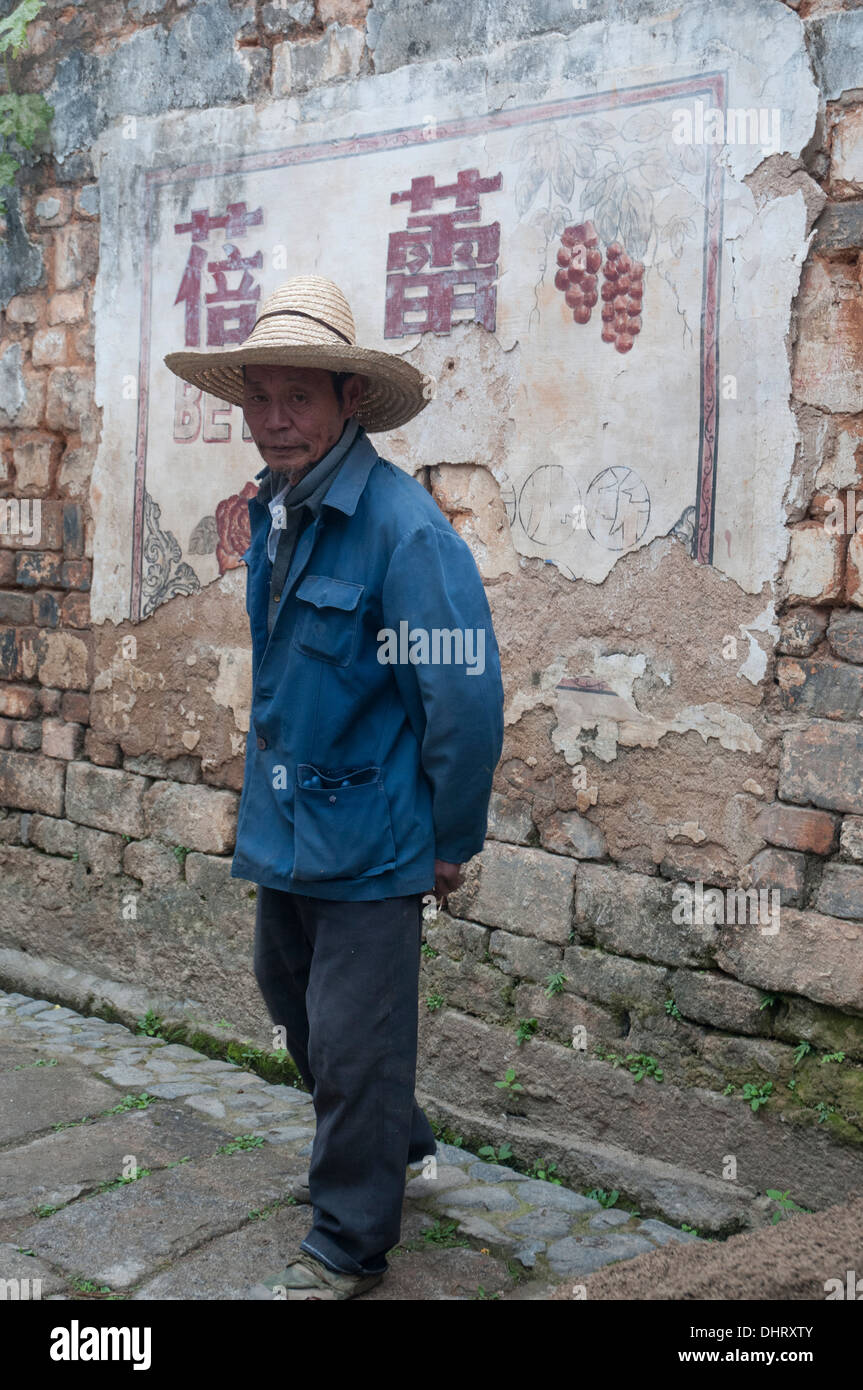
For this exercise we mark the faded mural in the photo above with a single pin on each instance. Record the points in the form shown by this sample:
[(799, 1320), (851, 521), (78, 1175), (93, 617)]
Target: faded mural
[(601, 237)]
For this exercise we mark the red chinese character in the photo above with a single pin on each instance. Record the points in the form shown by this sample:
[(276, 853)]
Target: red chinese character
[(443, 293), (228, 319), (222, 305), (465, 190), (444, 242), (461, 257)]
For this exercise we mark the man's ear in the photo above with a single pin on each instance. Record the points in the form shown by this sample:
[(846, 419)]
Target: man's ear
[(353, 391)]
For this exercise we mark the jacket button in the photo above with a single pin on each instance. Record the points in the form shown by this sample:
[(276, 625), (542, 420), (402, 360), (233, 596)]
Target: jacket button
[(276, 598), (332, 798), (262, 742)]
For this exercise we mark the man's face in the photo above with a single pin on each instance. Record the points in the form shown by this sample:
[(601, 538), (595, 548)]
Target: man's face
[(294, 416)]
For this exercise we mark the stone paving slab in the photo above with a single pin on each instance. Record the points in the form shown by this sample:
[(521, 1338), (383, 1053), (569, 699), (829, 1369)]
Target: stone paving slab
[(21, 1055), (228, 1266), (120, 1237), (194, 1230), (15, 1265), (64, 1165), (48, 1096)]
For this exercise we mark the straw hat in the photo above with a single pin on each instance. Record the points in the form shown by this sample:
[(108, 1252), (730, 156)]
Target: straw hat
[(307, 322)]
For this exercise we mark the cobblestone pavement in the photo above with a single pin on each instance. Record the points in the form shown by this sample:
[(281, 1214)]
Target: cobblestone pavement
[(198, 1223)]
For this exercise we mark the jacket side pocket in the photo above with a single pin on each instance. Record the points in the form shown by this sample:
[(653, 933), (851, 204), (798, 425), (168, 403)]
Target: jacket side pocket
[(342, 831)]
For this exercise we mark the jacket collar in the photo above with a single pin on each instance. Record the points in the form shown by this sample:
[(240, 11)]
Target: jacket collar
[(348, 484)]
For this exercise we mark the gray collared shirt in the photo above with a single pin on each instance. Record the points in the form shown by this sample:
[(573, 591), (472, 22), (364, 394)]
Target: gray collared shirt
[(292, 506)]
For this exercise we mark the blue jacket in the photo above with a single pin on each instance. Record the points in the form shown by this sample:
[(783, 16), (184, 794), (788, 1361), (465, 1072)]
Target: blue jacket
[(361, 771)]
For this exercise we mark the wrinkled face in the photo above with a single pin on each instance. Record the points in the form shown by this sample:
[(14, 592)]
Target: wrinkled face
[(294, 414)]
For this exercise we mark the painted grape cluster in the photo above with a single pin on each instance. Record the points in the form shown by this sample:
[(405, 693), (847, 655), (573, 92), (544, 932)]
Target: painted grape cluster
[(579, 263)]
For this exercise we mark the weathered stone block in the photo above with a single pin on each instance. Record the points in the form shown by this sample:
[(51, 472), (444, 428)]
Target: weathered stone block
[(456, 938), (32, 460), (64, 660), (840, 892), (55, 836), (15, 608), (815, 568), (822, 764), (75, 706), (76, 254), (827, 689), (75, 610), (49, 347), (100, 852), (854, 571), (198, 817), (151, 862), (69, 403), (520, 890), (814, 955), (851, 837), (566, 832), (182, 769), (561, 1014), (75, 574), (800, 631), (615, 980), (631, 915), (796, 827), (509, 819), (707, 997), (46, 609), (783, 870), (299, 66), (100, 751), (32, 782), (828, 372), (19, 701), (709, 863), (67, 307), (106, 799), (23, 308), (523, 957), (845, 636), (27, 734), (35, 567), (62, 740), (73, 531)]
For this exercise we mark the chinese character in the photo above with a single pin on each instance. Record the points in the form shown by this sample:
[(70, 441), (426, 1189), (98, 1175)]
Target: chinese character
[(445, 263)]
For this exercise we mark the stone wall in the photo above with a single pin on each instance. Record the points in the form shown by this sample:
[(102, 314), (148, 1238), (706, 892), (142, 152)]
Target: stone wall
[(731, 758)]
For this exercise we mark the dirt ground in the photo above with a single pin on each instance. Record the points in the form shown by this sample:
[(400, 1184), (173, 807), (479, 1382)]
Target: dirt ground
[(790, 1261)]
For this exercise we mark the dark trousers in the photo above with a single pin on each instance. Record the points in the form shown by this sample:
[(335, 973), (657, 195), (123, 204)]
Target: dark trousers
[(342, 979)]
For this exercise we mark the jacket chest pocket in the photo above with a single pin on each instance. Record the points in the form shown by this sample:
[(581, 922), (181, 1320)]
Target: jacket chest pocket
[(327, 619)]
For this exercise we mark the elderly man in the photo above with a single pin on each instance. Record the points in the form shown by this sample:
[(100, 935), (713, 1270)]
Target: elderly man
[(377, 723)]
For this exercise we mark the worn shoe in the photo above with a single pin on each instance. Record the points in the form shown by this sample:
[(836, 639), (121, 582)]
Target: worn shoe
[(306, 1279)]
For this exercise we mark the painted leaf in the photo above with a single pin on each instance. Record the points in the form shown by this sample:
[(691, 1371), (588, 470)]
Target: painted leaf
[(595, 189), (528, 186), (634, 221), (597, 131), (654, 171), (583, 161), (691, 157), (559, 219), (563, 177), (646, 124)]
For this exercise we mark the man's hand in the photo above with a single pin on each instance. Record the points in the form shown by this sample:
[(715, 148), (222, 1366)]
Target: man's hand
[(447, 878)]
